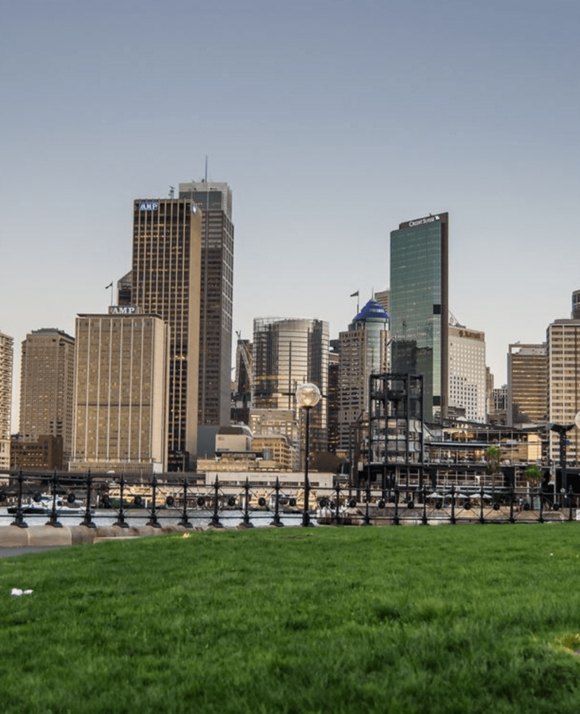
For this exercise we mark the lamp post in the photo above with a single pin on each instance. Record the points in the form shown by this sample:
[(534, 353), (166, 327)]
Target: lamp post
[(562, 430), (307, 397)]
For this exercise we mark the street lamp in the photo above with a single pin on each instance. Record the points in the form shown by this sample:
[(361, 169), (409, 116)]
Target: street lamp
[(307, 397), (562, 430)]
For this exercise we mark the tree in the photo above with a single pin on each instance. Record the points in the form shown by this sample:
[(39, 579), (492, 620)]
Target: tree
[(533, 473), (493, 460)]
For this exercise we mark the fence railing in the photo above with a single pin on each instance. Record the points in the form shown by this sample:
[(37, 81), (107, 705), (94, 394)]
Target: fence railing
[(91, 500)]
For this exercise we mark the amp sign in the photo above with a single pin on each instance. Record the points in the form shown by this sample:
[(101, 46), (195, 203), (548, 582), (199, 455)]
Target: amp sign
[(148, 206), (123, 310)]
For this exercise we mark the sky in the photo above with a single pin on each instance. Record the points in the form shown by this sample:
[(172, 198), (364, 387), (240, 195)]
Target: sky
[(332, 120)]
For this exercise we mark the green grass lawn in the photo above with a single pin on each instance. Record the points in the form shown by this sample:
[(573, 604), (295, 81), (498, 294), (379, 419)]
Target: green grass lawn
[(410, 619)]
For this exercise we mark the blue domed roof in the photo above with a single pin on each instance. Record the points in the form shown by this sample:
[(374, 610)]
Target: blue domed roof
[(372, 311)]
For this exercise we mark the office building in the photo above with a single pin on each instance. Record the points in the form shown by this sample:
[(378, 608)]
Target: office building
[(166, 281), (419, 307), (6, 357), (467, 374), (216, 296), (47, 389), (121, 393), (332, 398), (527, 368), (563, 347), (289, 352), (363, 351)]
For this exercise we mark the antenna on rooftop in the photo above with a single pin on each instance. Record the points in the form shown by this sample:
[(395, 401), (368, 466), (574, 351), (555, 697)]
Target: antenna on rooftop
[(172, 192)]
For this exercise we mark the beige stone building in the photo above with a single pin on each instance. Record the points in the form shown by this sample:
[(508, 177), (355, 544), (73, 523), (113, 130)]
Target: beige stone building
[(467, 373), (47, 387), (121, 393), (6, 358)]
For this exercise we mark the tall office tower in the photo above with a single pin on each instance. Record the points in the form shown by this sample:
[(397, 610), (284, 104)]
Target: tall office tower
[(363, 351), (563, 341), (121, 390), (527, 367), (47, 387), (124, 289), (217, 274), (242, 392), (166, 281), (576, 305), (420, 309), (289, 352), (332, 398), (467, 374), (6, 357)]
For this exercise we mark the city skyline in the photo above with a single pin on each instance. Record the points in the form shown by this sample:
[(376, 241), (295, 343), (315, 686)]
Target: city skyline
[(331, 122)]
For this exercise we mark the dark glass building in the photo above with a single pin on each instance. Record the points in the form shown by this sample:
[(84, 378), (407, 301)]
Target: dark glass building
[(420, 307)]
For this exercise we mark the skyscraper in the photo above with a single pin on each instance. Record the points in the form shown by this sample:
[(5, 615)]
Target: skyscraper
[(527, 384), (6, 357), (289, 352), (420, 308), (166, 281), (467, 373), (47, 387), (121, 393), (363, 351), (216, 298)]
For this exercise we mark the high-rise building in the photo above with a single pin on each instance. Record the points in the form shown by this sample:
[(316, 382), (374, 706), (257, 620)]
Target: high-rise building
[(6, 357), (563, 346), (467, 373), (289, 352), (363, 351), (166, 281), (47, 387), (332, 398), (420, 307), (121, 390), (216, 302), (527, 369)]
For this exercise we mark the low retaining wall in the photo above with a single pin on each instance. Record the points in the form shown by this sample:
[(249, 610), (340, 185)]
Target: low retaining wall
[(38, 536)]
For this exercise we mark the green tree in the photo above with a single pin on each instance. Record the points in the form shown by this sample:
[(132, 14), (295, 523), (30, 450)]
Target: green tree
[(493, 460)]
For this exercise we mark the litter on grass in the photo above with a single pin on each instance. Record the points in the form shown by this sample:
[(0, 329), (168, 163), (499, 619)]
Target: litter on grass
[(17, 592)]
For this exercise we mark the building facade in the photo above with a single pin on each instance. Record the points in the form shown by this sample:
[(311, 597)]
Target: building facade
[(289, 352), (563, 343), (166, 281), (467, 373), (420, 307), (363, 351), (6, 361), (527, 368), (216, 301), (121, 393), (47, 388)]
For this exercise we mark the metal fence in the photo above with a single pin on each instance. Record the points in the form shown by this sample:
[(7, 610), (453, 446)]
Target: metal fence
[(93, 500)]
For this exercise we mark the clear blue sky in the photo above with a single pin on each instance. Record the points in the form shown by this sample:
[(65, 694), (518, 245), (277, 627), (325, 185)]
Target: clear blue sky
[(333, 121)]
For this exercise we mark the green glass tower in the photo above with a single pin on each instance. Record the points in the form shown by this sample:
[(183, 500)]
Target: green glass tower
[(420, 307)]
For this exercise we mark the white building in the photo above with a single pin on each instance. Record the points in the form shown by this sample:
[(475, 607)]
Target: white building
[(467, 374), (6, 359)]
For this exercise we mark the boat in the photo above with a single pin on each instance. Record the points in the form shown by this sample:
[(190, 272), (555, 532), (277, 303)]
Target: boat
[(40, 504)]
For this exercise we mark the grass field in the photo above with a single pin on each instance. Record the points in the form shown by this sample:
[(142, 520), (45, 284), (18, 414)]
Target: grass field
[(409, 619)]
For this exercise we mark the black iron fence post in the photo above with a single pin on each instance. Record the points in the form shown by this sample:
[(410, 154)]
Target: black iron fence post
[(246, 520), (337, 504), (396, 519), (53, 518), (570, 502), (276, 521), (453, 519), (481, 515), (87, 519), (121, 522), (306, 505), (184, 521), (512, 497), (424, 520), (541, 513), (215, 519), (153, 519), (19, 518), (367, 516)]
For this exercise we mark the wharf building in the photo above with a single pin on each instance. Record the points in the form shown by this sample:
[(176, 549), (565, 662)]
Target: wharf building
[(527, 368), (286, 353), (46, 397), (467, 374), (121, 392), (363, 351), (6, 359), (420, 308), (166, 281), (216, 305)]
